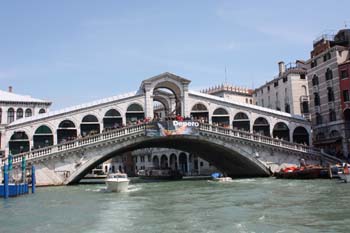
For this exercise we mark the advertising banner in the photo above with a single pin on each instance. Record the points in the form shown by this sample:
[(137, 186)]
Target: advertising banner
[(169, 128)]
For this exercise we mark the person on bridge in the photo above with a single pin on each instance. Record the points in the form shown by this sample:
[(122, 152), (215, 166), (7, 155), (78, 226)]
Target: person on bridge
[(346, 169)]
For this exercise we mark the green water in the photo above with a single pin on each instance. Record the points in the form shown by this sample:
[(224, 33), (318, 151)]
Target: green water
[(246, 205)]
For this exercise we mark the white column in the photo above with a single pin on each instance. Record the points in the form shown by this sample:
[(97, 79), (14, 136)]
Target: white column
[(148, 101)]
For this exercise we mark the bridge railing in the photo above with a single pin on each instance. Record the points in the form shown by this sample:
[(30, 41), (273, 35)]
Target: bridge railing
[(259, 138), (77, 143)]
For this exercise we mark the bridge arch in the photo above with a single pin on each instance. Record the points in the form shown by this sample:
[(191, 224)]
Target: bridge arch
[(19, 142), (281, 131), (221, 117), (43, 137), (262, 126), (225, 156), (134, 113), (66, 131), (89, 125), (200, 112), (241, 121), (112, 119), (301, 136)]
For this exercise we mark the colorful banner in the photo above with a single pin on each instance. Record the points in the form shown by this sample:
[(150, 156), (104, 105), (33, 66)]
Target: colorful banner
[(169, 128)]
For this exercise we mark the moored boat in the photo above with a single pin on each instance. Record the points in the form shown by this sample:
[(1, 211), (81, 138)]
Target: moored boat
[(117, 182), (160, 174), (306, 172)]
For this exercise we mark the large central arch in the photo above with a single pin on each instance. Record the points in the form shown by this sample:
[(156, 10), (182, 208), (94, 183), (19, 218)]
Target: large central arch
[(233, 162)]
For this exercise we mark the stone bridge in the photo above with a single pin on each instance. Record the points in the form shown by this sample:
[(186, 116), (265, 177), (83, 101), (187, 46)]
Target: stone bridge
[(237, 153)]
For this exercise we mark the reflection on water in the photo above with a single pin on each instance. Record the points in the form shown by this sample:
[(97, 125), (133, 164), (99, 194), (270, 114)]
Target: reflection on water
[(245, 205)]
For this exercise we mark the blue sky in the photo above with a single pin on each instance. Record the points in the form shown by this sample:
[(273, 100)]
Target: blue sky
[(72, 52)]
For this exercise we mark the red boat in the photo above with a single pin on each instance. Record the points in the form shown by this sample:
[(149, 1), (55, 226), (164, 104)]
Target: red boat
[(307, 172)]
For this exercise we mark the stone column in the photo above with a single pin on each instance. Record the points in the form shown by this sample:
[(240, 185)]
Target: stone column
[(148, 101), (185, 111)]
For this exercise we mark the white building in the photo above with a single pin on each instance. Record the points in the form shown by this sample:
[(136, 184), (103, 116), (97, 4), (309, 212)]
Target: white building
[(288, 92), (14, 107), (230, 92)]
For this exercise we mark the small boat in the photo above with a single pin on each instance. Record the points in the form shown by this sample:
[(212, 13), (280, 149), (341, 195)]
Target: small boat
[(307, 172), (117, 182), (160, 174), (218, 177), (344, 177)]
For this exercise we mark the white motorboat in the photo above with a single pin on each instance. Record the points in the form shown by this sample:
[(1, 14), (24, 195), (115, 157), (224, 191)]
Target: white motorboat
[(117, 182), (223, 179), (218, 177)]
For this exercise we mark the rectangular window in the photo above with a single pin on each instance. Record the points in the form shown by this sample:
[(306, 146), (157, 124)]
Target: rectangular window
[(275, 84), (344, 74), (346, 96), (268, 88), (285, 79), (302, 76)]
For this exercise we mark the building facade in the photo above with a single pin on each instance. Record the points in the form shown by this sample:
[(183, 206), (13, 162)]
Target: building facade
[(14, 107), (328, 76), (288, 92), (230, 92)]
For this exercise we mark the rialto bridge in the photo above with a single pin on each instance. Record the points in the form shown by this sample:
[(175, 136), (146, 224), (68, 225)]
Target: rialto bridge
[(241, 139)]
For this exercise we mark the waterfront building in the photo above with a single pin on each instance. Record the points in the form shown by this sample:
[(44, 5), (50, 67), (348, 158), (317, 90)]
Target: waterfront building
[(328, 77), (230, 92), (14, 107), (161, 158), (288, 92)]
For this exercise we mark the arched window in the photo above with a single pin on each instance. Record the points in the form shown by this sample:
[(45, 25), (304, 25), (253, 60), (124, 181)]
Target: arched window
[(19, 113), (241, 122), (66, 131), (19, 142), (334, 134), (317, 99), (221, 117), (329, 74), (43, 137), (10, 115), (347, 115), (330, 94), (261, 126), (304, 88), (89, 126), (281, 131), (112, 119), (135, 108), (318, 119), (134, 113), (287, 108), (41, 111), (200, 112), (300, 135), (28, 112), (332, 115), (314, 80)]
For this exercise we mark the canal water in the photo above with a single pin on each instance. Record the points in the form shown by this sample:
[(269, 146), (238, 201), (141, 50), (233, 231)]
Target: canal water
[(245, 205)]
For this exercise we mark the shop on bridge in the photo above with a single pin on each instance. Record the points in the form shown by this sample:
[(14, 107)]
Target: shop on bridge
[(66, 131), (221, 117), (200, 113), (43, 137), (134, 113), (112, 120), (241, 122), (281, 131), (19, 143), (261, 126), (89, 126)]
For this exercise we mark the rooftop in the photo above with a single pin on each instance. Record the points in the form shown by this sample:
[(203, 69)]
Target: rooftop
[(6, 96)]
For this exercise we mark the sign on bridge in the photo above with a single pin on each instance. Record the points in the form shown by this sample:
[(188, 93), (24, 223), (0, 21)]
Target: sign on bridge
[(169, 128)]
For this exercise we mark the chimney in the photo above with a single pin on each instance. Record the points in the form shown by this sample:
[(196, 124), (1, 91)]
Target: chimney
[(10, 88), (281, 67)]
